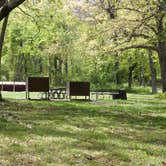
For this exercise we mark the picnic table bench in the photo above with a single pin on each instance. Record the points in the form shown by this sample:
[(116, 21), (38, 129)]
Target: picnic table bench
[(119, 94)]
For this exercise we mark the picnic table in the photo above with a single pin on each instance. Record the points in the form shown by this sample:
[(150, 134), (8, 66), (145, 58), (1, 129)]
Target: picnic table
[(119, 94), (57, 93)]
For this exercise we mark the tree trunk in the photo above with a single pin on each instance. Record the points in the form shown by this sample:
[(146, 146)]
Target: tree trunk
[(142, 77), (40, 65), (153, 73), (162, 49), (59, 69), (162, 59), (66, 68), (3, 30), (117, 76), (7, 7), (130, 76), (19, 72), (25, 69), (49, 69), (55, 71)]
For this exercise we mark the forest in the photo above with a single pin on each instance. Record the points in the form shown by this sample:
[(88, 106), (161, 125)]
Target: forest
[(110, 43), (111, 46)]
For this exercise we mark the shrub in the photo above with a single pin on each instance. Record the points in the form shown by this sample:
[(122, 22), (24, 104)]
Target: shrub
[(161, 95)]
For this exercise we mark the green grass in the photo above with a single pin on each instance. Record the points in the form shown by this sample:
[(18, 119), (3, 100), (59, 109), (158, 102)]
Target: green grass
[(106, 132)]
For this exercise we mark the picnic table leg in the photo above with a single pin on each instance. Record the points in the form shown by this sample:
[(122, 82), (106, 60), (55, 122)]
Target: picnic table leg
[(63, 95), (47, 95), (96, 96), (58, 95)]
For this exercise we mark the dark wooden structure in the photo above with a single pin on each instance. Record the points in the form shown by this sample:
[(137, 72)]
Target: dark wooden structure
[(78, 89), (120, 95), (37, 84), (20, 88), (13, 86)]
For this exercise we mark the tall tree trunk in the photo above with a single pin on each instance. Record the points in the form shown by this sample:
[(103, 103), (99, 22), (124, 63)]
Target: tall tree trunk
[(19, 72), (49, 70), (55, 71), (3, 30), (142, 77), (40, 65), (162, 49), (7, 7), (25, 68), (162, 59), (130, 76), (59, 69), (117, 76), (153, 72), (66, 68)]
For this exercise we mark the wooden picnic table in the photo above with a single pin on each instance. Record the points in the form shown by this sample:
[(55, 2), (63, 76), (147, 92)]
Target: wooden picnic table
[(57, 93), (119, 94)]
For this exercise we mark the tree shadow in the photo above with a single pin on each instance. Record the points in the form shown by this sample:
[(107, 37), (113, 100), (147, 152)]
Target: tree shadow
[(85, 116)]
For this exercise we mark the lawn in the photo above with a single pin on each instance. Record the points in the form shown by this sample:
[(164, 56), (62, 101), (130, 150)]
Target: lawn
[(106, 132)]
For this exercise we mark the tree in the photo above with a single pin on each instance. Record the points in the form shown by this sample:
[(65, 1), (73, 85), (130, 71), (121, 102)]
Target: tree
[(137, 25), (153, 72), (5, 8), (2, 35)]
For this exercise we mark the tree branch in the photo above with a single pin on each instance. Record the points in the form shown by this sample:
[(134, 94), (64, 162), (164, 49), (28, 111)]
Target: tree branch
[(2, 2), (33, 19), (133, 47), (136, 35), (8, 7), (130, 9), (152, 28), (139, 47)]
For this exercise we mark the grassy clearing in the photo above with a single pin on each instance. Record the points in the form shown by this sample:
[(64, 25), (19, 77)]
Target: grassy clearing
[(105, 132)]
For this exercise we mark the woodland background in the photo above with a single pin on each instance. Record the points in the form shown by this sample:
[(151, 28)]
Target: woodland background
[(111, 43)]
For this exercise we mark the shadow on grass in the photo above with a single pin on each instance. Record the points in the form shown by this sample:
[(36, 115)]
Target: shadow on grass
[(46, 118)]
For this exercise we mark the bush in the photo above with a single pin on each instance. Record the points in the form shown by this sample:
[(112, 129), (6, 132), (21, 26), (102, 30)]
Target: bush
[(139, 90), (161, 95), (112, 87)]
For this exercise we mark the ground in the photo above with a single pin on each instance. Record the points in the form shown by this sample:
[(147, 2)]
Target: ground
[(106, 132)]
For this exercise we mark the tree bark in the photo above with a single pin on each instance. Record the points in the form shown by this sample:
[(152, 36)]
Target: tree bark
[(130, 76), (66, 68), (162, 59), (3, 30), (7, 7), (117, 76), (49, 69), (142, 77), (153, 72), (2, 2), (19, 71), (162, 49), (55, 70), (59, 70)]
